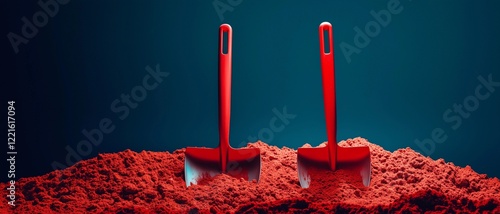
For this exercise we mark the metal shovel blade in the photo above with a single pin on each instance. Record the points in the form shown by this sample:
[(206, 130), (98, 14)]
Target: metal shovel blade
[(313, 162), (357, 159), (202, 163), (244, 163), (309, 158)]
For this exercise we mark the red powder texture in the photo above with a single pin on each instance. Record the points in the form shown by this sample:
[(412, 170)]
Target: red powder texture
[(153, 182)]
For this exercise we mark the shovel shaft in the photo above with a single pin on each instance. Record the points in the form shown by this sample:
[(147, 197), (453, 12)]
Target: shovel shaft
[(328, 76), (224, 92)]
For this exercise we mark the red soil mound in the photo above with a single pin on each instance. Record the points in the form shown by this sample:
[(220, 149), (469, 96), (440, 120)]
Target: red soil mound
[(152, 182)]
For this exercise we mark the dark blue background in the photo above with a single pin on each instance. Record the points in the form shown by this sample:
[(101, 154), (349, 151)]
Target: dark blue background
[(393, 92)]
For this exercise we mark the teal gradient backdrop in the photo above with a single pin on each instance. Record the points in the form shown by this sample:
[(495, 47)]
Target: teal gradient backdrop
[(393, 92)]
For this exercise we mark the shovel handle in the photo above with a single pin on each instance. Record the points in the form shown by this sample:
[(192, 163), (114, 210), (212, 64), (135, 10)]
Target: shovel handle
[(224, 90), (328, 76)]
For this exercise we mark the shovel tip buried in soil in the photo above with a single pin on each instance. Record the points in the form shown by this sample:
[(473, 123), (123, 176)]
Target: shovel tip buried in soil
[(202, 163), (354, 161), (244, 163)]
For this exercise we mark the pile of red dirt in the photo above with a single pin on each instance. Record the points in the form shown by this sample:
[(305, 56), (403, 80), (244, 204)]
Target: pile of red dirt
[(153, 182)]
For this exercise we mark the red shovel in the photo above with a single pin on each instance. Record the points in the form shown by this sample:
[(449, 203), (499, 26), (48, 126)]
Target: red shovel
[(207, 162), (332, 156)]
